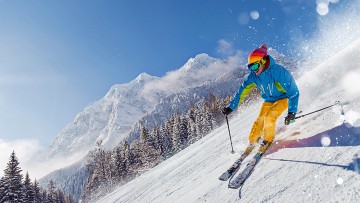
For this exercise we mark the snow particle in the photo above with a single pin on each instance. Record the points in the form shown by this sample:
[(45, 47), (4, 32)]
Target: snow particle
[(340, 181), (352, 117), (322, 3), (322, 7), (322, 10), (325, 141), (351, 82), (254, 15)]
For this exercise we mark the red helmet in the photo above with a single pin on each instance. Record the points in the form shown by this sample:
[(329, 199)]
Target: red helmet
[(258, 54)]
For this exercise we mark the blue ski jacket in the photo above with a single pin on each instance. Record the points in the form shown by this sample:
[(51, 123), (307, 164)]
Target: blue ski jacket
[(274, 83)]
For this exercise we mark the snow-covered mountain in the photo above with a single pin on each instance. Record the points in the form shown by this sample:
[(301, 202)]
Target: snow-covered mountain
[(146, 100), (108, 119), (112, 117), (201, 61), (315, 159)]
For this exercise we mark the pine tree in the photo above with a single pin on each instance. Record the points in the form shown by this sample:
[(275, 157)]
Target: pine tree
[(118, 165), (156, 135), (12, 181), (99, 168), (207, 123), (184, 131), (167, 145), (44, 197), (176, 137), (69, 199), (148, 153), (60, 197), (191, 125), (191, 114), (91, 182), (125, 154), (215, 110), (37, 192), (51, 197), (136, 159), (28, 190), (198, 123), (2, 188), (145, 135)]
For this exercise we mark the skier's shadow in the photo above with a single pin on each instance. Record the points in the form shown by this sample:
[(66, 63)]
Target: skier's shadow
[(340, 136)]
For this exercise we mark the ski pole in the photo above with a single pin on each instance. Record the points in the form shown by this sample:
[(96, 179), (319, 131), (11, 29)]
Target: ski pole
[(337, 102), (227, 121)]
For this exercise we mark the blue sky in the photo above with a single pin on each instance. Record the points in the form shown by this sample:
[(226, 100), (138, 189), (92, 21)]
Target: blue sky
[(57, 57)]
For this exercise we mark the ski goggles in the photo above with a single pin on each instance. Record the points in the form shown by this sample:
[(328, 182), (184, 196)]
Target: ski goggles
[(254, 66)]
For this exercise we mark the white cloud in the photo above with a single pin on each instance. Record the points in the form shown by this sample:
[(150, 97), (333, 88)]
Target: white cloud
[(180, 79), (38, 169), (225, 48)]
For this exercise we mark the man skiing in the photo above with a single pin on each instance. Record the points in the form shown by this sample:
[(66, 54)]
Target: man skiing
[(279, 91)]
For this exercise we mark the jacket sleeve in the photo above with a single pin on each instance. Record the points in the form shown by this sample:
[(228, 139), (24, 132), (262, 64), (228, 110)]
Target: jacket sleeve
[(242, 92), (288, 83)]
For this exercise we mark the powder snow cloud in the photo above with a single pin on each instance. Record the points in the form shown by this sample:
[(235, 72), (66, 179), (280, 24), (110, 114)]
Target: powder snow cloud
[(181, 79), (334, 34)]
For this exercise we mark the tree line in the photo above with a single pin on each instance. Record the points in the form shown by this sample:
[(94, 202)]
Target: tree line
[(14, 188), (108, 169)]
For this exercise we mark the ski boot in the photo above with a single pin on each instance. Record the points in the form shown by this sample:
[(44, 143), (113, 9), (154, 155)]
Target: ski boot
[(249, 148), (263, 146)]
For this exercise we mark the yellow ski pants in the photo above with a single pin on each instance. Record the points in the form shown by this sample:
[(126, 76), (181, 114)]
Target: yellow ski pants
[(266, 121)]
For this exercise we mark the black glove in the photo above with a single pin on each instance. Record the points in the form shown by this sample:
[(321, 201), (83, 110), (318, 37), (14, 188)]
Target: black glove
[(290, 118), (226, 111)]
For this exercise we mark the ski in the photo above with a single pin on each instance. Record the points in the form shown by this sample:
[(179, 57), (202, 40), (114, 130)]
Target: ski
[(241, 178), (234, 168)]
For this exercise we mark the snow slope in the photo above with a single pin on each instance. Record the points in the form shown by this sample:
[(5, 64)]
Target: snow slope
[(315, 159)]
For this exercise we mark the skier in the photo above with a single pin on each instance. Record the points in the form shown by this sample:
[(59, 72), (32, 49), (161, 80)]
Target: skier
[(279, 91)]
